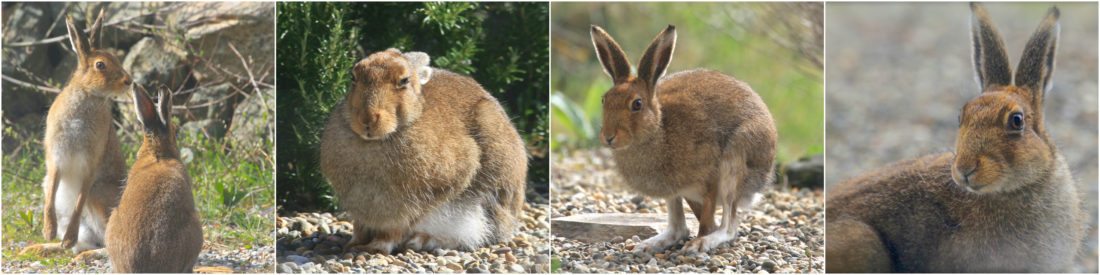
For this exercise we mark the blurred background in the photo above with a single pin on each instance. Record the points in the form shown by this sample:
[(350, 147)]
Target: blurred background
[(899, 73), (776, 48), (501, 45), (218, 58)]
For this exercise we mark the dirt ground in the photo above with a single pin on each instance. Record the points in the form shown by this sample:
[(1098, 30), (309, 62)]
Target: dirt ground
[(897, 75)]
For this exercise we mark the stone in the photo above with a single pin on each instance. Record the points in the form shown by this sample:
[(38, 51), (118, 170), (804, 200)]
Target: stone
[(807, 172), (602, 227)]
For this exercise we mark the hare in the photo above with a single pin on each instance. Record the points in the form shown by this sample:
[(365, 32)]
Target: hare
[(1004, 201), (155, 228), (698, 135), (84, 163), (422, 158)]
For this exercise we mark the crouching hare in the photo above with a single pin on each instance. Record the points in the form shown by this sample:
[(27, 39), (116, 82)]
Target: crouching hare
[(698, 135), (155, 228), (422, 158), (1004, 201), (84, 163)]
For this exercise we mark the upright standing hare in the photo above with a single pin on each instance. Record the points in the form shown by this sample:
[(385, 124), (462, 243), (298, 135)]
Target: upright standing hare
[(697, 135), (155, 228), (1003, 202), (84, 164), (422, 157)]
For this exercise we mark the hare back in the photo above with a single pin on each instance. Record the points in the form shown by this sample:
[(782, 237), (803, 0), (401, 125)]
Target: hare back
[(713, 125), (155, 227), (393, 182), (931, 224)]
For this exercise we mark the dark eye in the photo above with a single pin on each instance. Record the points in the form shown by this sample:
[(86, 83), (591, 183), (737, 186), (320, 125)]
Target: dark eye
[(403, 82), (99, 65), (1016, 121), (636, 105)]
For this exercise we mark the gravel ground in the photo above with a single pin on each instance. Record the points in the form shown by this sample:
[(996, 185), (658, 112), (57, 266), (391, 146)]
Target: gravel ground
[(321, 251), (898, 74), (256, 260), (783, 233)]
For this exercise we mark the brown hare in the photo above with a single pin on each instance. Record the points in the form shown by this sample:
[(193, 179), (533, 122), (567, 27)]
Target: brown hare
[(84, 163), (698, 135), (1004, 201), (422, 158), (155, 228)]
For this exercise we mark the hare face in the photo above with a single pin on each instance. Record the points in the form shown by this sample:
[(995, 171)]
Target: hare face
[(103, 72), (998, 147), (628, 115), (385, 95)]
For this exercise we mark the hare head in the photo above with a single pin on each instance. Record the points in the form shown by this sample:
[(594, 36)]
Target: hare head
[(97, 71), (156, 119), (386, 92), (631, 110), (1002, 143)]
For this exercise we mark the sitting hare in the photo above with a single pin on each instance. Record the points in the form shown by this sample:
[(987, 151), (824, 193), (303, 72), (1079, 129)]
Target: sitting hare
[(155, 228), (1004, 201), (422, 158), (84, 163), (698, 135)]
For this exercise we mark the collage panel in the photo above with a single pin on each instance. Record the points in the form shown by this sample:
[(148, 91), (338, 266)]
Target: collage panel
[(734, 128), (413, 138), (138, 130), (954, 145)]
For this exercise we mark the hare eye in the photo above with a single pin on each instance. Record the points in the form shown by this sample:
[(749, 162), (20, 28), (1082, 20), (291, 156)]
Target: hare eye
[(404, 82), (636, 105), (99, 65), (1016, 121)]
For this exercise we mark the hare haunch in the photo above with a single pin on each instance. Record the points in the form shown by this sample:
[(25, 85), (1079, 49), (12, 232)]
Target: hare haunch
[(1004, 201), (84, 163), (698, 135), (422, 158)]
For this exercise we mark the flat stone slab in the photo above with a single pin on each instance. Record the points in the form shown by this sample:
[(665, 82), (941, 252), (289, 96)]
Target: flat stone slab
[(603, 227)]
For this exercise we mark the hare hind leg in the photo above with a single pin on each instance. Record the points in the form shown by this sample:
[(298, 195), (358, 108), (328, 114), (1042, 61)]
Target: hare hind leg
[(854, 247), (677, 229)]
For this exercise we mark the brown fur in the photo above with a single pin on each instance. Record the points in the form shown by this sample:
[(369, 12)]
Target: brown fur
[(156, 227), (1005, 201), (395, 154), (81, 145), (700, 135)]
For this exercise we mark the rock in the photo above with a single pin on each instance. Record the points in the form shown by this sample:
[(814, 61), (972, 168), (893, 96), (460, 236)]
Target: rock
[(808, 172), (602, 227), (769, 266), (152, 63), (516, 268), (287, 267), (297, 259), (252, 126)]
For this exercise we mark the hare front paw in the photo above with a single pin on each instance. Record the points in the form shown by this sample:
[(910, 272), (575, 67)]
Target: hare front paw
[(375, 246), (42, 249), (662, 241), (708, 242)]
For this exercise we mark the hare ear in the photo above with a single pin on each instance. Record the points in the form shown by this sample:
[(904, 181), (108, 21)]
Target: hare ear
[(1037, 64), (990, 59), (420, 64), (611, 55), (78, 40), (94, 34), (146, 110), (165, 105), (656, 58)]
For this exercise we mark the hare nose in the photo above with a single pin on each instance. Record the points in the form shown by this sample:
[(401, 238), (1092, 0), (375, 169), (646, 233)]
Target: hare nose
[(376, 116), (128, 81), (609, 139)]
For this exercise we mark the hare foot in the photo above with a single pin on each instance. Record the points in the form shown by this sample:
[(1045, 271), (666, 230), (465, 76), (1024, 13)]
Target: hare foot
[(42, 249)]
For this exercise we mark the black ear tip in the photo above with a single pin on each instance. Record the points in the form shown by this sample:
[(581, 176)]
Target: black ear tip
[(1055, 12), (671, 27), (596, 29)]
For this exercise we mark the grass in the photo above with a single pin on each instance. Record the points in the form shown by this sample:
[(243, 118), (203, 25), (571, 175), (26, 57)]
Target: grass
[(234, 196)]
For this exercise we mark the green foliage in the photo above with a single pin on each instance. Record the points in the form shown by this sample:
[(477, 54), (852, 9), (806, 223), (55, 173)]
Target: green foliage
[(501, 45), (774, 47)]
